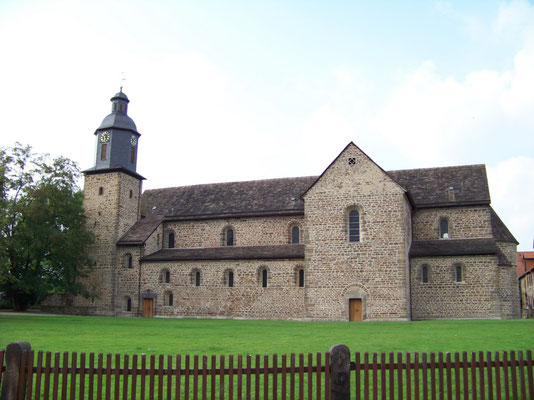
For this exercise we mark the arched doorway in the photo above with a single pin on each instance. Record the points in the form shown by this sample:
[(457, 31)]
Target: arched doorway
[(355, 309)]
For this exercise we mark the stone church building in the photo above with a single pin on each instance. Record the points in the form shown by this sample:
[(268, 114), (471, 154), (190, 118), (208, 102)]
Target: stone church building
[(355, 243)]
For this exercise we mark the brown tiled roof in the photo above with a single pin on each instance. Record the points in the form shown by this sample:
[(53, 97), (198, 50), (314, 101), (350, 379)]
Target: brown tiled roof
[(140, 231), (453, 247), (429, 187), (219, 200), (271, 197), (290, 251), (500, 231)]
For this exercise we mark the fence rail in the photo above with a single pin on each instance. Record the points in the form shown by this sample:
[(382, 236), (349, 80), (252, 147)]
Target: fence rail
[(338, 374)]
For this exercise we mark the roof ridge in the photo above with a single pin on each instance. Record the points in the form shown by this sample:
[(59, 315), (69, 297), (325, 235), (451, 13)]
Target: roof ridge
[(232, 182), (434, 168)]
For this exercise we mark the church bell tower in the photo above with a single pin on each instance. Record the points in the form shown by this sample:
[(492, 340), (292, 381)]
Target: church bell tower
[(112, 193), (117, 138)]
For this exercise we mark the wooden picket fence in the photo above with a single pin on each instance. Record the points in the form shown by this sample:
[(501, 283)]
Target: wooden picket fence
[(45, 375)]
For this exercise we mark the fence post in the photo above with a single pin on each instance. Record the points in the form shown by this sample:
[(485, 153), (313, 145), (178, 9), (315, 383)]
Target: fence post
[(339, 372), (11, 384)]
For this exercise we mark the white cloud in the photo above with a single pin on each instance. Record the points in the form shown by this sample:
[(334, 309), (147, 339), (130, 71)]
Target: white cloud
[(512, 194), (438, 120)]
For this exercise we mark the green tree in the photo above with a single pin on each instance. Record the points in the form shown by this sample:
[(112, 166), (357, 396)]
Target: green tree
[(43, 238)]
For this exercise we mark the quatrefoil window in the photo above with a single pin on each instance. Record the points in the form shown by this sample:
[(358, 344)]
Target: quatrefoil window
[(352, 161)]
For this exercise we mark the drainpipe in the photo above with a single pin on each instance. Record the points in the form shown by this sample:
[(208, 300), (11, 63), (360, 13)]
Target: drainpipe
[(141, 254)]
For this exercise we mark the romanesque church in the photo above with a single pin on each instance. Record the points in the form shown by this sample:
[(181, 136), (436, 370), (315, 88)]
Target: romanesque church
[(356, 243)]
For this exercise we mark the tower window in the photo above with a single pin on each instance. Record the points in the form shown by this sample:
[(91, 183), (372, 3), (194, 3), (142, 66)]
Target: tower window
[(130, 261), (100, 191), (167, 276), (354, 226), (103, 151), (295, 235), (120, 107), (131, 194), (171, 240), (231, 279), (197, 278), (132, 155), (128, 304)]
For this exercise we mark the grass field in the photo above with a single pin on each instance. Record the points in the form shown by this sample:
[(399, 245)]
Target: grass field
[(209, 336)]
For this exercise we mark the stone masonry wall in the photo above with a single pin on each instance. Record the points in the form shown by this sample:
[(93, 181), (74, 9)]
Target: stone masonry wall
[(507, 283), (110, 213), (154, 241), (477, 296), (247, 231), (128, 280), (464, 223), (282, 299), (374, 269)]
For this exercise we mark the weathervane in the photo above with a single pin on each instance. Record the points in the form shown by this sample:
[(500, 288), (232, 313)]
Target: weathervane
[(122, 79)]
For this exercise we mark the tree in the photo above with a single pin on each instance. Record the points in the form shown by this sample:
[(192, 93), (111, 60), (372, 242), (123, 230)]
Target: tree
[(43, 238)]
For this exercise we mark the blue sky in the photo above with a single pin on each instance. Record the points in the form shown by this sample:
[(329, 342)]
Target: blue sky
[(238, 90)]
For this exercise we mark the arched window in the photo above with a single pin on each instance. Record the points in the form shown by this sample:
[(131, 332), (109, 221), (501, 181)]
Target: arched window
[(458, 273), (130, 260), (195, 277), (424, 274), (443, 228), (171, 299), (301, 277), (228, 277), (171, 240), (263, 276), (295, 235), (354, 226), (165, 276), (228, 237), (128, 304)]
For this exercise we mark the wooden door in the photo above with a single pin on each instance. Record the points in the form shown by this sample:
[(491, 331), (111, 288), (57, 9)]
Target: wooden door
[(148, 308), (355, 309)]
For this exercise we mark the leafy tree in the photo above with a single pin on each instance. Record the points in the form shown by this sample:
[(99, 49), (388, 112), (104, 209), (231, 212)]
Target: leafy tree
[(43, 238)]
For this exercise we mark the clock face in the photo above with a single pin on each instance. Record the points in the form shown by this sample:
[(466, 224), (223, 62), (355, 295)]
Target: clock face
[(104, 137), (133, 141)]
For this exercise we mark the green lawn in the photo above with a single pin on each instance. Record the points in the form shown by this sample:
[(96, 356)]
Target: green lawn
[(210, 336)]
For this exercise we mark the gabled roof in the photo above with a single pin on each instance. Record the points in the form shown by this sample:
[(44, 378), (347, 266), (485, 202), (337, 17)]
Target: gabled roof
[(339, 155), (425, 188), (284, 252)]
